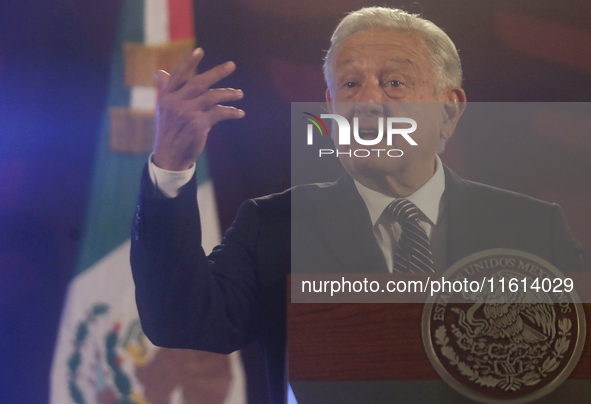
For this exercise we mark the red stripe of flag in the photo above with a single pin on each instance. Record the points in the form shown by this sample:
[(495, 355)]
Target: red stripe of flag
[(180, 14)]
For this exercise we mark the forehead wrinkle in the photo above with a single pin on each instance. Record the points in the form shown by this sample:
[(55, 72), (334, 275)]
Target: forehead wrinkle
[(346, 62), (401, 61)]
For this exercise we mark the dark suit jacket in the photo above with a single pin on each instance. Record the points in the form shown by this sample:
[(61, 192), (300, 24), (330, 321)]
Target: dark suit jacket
[(237, 295)]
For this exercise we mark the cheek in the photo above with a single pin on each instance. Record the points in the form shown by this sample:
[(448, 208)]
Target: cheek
[(344, 109), (427, 144), (429, 127), (428, 138)]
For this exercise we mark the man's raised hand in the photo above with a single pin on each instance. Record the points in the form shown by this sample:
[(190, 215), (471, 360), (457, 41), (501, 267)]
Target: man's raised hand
[(188, 108)]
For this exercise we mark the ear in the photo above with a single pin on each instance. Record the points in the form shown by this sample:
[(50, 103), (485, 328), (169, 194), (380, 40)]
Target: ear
[(454, 105), (329, 100), (329, 108)]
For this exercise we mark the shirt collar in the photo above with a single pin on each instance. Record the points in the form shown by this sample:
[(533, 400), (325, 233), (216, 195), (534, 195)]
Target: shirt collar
[(426, 198)]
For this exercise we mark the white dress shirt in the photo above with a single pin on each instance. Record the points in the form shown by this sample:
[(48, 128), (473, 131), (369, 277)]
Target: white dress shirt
[(169, 182), (427, 199)]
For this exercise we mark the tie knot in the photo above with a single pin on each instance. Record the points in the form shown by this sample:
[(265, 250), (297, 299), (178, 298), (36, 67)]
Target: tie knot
[(402, 210)]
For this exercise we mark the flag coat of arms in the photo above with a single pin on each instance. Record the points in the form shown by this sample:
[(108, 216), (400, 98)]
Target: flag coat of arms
[(102, 356)]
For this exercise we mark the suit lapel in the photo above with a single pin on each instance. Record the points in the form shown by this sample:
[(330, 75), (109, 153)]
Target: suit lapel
[(462, 223), (347, 230)]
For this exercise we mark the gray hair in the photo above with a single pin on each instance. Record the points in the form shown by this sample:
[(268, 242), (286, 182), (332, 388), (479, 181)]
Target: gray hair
[(444, 55)]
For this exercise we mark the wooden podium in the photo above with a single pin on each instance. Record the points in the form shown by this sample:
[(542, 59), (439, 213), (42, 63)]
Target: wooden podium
[(329, 342)]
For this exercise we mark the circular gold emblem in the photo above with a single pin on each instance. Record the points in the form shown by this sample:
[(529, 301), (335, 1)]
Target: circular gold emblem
[(507, 327)]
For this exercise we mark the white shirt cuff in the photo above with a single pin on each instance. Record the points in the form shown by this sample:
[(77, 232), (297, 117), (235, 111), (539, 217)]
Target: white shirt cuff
[(169, 182)]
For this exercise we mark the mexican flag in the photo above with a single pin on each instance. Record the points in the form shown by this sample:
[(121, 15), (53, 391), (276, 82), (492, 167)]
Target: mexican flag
[(102, 356)]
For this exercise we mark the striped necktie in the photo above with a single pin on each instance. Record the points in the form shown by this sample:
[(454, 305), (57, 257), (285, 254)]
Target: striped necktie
[(413, 252)]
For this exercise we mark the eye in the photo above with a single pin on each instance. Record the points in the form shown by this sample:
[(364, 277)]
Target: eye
[(349, 84), (395, 83)]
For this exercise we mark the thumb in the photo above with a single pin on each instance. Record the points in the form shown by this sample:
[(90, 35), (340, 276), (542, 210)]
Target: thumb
[(163, 78)]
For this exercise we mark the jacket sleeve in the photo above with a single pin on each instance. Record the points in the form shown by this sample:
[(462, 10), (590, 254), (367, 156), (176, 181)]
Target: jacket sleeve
[(186, 299)]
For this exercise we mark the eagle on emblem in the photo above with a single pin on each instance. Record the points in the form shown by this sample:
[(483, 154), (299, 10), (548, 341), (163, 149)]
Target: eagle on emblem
[(505, 317)]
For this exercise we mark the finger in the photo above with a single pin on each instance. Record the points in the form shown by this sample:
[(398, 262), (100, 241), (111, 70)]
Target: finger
[(184, 72), (163, 78), (217, 96), (222, 112), (202, 82)]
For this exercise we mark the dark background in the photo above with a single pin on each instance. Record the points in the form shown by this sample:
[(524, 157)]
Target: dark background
[(54, 63)]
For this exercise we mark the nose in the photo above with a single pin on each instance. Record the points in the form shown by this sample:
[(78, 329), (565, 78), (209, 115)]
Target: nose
[(369, 108), (369, 100)]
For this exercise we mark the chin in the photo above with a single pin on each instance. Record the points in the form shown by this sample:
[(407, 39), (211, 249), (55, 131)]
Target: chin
[(371, 167)]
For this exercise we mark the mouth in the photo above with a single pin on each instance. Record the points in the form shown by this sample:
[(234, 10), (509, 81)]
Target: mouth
[(368, 134)]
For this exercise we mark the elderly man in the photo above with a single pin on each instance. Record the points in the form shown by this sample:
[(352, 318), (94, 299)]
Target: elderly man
[(379, 57)]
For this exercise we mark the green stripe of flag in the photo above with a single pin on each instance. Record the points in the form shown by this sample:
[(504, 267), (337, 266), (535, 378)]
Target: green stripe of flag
[(116, 177)]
